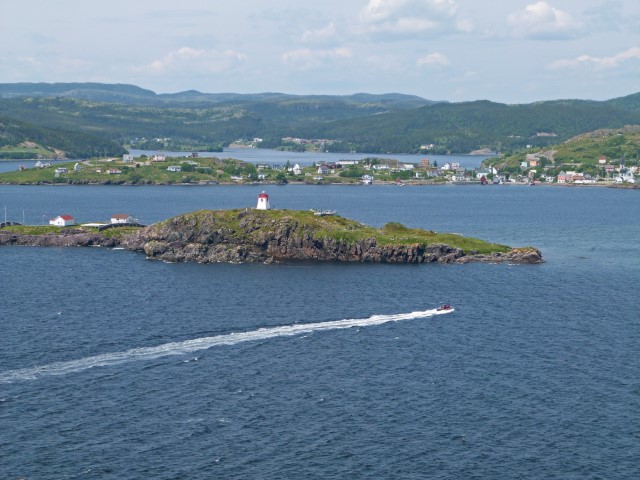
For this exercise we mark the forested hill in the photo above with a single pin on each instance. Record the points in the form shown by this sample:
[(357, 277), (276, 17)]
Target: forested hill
[(462, 127), (35, 140), (394, 123)]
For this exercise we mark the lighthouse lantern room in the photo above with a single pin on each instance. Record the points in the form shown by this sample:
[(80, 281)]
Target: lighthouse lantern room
[(263, 202)]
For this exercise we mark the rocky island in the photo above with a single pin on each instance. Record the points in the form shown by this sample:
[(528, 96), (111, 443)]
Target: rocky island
[(267, 236)]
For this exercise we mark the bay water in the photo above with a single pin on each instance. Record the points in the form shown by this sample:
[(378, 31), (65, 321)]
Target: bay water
[(114, 366)]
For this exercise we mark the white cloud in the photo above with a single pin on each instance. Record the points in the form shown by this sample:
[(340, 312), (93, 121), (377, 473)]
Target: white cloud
[(603, 63), (543, 21), (197, 60), (410, 17), (386, 62), (433, 60), (323, 34), (306, 58)]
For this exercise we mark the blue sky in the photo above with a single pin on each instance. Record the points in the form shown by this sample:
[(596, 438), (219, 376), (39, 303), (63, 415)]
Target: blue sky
[(458, 50)]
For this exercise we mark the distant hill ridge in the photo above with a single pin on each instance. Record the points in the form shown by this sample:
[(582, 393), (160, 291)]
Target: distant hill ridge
[(104, 92), (362, 122)]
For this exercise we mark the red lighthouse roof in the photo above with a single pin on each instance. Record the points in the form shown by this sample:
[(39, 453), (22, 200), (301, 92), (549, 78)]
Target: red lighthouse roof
[(263, 195)]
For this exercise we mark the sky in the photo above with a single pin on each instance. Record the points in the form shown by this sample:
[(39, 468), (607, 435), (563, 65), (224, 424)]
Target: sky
[(507, 51)]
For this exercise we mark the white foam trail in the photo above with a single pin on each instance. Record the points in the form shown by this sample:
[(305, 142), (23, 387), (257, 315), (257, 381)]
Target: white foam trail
[(203, 343)]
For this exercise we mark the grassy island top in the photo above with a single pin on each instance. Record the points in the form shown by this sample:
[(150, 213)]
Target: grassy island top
[(252, 225)]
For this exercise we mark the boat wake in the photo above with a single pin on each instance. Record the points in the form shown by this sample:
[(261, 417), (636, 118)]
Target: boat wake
[(203, 343)]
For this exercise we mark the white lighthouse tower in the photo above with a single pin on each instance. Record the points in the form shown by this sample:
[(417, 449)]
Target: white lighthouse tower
[(263, 202)]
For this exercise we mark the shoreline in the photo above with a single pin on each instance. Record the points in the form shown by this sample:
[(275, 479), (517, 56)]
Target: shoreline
[(408, 183)]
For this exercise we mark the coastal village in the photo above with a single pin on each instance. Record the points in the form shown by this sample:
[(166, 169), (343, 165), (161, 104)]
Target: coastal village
[(159, 168)]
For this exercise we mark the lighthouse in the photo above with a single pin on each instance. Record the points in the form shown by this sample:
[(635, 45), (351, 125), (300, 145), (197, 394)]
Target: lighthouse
[(263, 202)]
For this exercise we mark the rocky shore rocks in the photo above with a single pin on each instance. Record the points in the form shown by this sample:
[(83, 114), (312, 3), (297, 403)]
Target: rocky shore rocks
[(248, 237), (203, 239), (65, 238)]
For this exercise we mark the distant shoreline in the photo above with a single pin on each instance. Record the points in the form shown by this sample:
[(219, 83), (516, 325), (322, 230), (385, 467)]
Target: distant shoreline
[(326, 184)]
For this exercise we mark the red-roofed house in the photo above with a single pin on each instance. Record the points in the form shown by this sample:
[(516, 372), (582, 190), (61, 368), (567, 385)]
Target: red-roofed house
[(123, 218), (62, 221)]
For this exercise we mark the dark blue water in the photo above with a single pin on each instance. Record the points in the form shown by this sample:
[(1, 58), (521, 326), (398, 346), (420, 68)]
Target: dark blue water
[(535, 375)]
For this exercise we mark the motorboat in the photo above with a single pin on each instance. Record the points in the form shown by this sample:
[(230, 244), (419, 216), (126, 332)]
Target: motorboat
[(444, 307)]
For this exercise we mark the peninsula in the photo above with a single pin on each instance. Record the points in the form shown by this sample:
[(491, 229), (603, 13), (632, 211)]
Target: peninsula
[(268, 236)]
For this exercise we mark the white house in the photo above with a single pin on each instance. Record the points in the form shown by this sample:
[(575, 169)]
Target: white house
[(77, 167), (297, 170), (174, 168), (323, 169), (127, 157), (62, 221), (347, 163), (60, 170), (123, 218), (626, 177)]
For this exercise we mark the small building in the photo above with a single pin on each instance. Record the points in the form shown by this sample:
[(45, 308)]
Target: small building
[(60, 170), (62, 221), (174, 168), (263, 201), (459, 177), (602, 160), (114, 171), (297, 170), (562, 177), (323, 169), (123, 218), (626, 177), (127, 158), (77, 167), (347, 163)]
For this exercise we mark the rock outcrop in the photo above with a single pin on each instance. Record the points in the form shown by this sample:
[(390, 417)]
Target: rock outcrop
[(251, 236), (64, 238)]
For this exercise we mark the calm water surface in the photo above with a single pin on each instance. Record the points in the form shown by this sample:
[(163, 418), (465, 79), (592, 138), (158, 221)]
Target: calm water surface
[(113, 366)]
